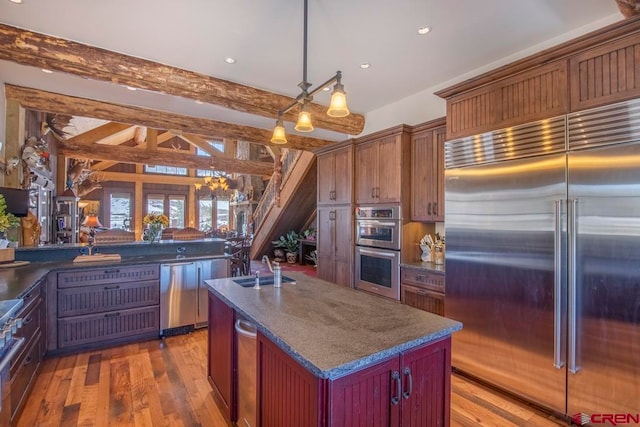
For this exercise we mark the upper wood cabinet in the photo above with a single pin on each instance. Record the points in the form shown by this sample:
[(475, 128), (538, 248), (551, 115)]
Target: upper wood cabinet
[(335, 176), (383, 167), (598, 68), (427, 172)]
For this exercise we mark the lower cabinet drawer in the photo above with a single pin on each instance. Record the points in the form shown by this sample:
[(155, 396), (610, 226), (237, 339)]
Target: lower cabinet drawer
[(31, 328), (423, 299), (94, 328), (423, 279), (107, 297)]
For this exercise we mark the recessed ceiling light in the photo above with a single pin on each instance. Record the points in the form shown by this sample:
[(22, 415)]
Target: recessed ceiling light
[(229, 60), (131, 88), (326, 89), (16, 1), (424, 30), (44, 70), (365, 65), (199, 102)]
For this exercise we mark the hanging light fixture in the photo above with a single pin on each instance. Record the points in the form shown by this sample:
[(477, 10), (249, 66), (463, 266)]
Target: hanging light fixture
[(337, 106), (217, 185)]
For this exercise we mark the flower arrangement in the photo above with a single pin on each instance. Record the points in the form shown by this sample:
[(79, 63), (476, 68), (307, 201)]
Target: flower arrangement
[(7, 220), (156, 219)]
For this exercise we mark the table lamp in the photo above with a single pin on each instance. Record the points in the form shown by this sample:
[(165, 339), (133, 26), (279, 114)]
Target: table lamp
[(92, 222)]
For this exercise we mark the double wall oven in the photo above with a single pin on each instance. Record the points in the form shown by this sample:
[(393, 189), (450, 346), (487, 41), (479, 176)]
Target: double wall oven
[(378, 239)]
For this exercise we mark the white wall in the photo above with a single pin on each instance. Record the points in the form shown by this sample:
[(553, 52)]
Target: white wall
[(424, 106)]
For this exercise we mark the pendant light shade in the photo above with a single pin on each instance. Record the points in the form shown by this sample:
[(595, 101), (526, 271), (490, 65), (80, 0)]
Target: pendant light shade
[(279, 134), (304, 120), (338, 105)]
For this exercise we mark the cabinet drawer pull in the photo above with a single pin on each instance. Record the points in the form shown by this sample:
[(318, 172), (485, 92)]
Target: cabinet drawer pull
[(112, 314), (110, 288), (395, 377), (422, 292), (26, 321), (28, 360), (27, 296), (407, 373), (113, 271)]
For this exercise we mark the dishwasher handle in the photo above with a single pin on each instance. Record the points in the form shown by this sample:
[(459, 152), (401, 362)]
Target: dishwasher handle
[(246, 328)]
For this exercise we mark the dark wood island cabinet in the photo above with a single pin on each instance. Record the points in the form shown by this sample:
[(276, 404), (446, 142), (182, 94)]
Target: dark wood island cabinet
[(331, 356)]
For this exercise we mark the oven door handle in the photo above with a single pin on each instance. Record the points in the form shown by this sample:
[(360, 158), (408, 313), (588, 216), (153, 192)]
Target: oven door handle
[(6, 359), (381, 253), (377, 223)]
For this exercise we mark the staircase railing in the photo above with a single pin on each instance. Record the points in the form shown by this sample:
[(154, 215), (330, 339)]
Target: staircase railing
[(271, 194)]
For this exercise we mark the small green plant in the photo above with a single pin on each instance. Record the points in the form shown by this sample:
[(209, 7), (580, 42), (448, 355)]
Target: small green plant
[(308, 234), (7, 220), (288, 242), (313, 257)]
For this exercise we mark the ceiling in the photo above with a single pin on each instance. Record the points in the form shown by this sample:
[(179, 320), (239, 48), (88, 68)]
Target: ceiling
[(265, 39)]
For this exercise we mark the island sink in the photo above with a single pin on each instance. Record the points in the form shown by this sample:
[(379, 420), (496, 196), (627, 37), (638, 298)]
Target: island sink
[(264, 280)]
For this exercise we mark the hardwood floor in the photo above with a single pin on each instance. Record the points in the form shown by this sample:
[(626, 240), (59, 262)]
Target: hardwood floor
[(164, 383)]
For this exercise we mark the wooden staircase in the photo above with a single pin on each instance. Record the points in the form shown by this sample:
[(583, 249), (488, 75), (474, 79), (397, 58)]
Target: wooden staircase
[(291, 209)]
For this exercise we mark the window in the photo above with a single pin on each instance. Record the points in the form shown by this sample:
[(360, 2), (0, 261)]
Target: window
[(176, 211), (155, 204), (206, 214), (223, 213), (167, 170), (120, 211)]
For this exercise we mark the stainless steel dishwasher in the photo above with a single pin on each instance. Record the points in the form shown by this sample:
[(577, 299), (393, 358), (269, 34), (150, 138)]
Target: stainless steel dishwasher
[(247, 362), (183, 293)]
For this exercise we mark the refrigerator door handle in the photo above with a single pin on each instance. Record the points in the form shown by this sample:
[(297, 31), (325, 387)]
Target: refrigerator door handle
[(199, 271), (558, 361), (572, 304)]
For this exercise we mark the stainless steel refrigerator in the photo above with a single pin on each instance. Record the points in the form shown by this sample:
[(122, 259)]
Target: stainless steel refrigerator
[(543, 259)]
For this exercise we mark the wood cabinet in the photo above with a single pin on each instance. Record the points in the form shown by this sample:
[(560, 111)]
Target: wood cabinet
[(335, 176), (93, 307), (221, 366), (382, 167), (335, 244), (427, 172), (25, 365), (423, 289)]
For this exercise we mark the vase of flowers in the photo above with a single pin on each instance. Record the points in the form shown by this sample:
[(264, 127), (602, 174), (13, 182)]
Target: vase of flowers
[(155, 222), (7, 221)]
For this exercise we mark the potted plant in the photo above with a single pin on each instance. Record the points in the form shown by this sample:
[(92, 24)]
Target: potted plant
[(7, 221), (288, 242), (308, 234)]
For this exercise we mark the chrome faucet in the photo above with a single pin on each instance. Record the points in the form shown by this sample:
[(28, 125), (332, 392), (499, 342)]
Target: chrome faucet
[(266, 260), (257, 285)]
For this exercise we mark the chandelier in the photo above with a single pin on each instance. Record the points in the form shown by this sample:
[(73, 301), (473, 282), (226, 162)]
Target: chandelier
[(218, 185), (337, 106)]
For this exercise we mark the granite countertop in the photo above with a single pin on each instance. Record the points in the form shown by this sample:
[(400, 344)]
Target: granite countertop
[(329, 329), (427, 266)]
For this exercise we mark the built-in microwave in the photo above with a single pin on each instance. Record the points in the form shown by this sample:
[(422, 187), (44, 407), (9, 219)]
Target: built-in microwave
[(379, 226), (378, 271)]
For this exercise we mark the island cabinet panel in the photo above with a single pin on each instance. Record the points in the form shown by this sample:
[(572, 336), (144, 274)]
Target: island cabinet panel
[(335, 176), (427, 173), (25, 365), (94, 307), (367, 398), (289, 395), (221, 368), (408, 390), (606, 74)]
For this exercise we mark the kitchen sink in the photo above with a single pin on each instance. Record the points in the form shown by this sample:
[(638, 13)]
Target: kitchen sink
[(247, 282)]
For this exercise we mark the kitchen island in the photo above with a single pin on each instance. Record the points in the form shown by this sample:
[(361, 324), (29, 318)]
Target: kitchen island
[(332, 356)]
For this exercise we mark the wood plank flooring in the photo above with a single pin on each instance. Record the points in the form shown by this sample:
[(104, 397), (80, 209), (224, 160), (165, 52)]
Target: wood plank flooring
[(164, 383)]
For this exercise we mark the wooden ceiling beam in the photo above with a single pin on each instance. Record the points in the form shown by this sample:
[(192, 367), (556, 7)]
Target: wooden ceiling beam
[(77, 148), (200, 142), (41, 100), (44, 51), (104, 164)]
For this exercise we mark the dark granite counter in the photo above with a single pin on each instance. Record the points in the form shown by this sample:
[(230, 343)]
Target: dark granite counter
[(15, 282), (426, 266), (329, 329)]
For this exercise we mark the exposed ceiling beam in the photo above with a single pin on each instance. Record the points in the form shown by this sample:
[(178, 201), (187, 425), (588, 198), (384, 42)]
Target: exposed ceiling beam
[(44, 51), (79, 147), (149, 178), (105, 164), (41, 100), (198, 141)]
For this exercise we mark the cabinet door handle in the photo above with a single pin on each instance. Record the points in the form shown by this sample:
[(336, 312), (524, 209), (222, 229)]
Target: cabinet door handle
[(435, 208), (110, 288), (407, 373), (373, 192), (429, 208), (377, 192), (395, 377), (113, 271), (112, 314), (26, 321)]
